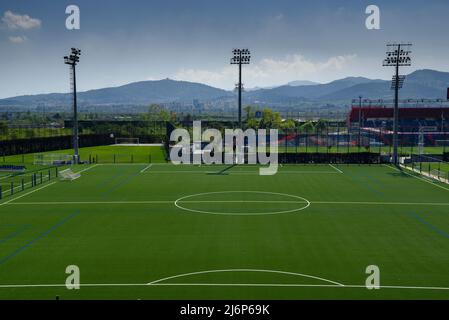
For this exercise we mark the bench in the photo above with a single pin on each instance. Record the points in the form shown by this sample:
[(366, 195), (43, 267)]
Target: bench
[(12, 168)]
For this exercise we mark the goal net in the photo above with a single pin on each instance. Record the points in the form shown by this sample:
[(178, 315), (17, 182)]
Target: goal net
[(126, 141), (52, 159)]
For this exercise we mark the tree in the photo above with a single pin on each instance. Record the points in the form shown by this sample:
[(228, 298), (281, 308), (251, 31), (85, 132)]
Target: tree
[(321, 125), (307, 127), (249, 112), (30, 133), (270, 119), (158, 113), (252, 123), (288, 124), (3, 128)]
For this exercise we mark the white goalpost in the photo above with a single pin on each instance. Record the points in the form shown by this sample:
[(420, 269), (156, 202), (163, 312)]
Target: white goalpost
[(127, 141), (52, 159)]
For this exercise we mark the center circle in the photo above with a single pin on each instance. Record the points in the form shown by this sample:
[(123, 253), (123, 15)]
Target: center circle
[(253, 203)]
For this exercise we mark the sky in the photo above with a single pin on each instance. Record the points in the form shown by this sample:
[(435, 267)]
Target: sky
[(135, 40)]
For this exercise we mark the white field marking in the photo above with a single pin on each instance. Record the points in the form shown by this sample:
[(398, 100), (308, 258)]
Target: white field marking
[(16, 187), (25, 184), (383, 203), (223, 165), (182, 199), (145, 169), (125, 164), (242, 201), (137, 145), (25, 194), (6, 176), (8, 190), (424, 175), (241, 172), (91, 167), (417, 177), (334, 167), (346, 286), (244, 270), (222, 201), (90, 202)]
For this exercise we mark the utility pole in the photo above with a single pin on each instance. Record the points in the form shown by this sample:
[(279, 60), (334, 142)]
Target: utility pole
[(72, 60), (397, 55), (240, 57), (360, 123)]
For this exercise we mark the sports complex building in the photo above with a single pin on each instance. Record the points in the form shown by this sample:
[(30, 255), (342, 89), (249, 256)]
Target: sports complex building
[(423, 122)]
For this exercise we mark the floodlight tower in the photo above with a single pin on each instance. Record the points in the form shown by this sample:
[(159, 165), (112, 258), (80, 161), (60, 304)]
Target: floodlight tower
[(72, 60), (240, 56), (398, 55)]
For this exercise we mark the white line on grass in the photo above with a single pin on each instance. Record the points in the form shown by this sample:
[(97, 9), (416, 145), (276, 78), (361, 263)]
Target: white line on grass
[(7, 190), (245, 270), (346, 286), (240, 201), (332, 166), (383, 203), (25, 194), (16, 187), (232, 201), (237, 172), (145, 169), (125, 164), (6, 176), (91, 202), (419, 178), (91, 167)]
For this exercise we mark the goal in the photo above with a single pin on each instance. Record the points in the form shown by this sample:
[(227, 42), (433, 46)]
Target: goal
[(126, 140), (52, 159)]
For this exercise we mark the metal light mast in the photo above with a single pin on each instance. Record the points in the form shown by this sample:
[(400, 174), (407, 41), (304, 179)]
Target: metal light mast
[(72, 60), (398, 55), (240, 56)]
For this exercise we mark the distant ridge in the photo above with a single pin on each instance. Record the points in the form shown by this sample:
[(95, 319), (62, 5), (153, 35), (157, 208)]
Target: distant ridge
[(426, 84)]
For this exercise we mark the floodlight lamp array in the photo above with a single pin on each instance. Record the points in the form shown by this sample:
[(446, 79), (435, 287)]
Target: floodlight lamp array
[(241, 56), (73, 58)]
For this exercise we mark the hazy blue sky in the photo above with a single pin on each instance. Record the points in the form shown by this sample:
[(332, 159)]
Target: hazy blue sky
[(126, 41)]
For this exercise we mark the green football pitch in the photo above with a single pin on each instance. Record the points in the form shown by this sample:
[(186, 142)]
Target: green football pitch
[(160, 231)]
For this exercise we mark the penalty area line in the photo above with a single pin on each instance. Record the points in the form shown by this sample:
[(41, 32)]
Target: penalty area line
[(334, 167)]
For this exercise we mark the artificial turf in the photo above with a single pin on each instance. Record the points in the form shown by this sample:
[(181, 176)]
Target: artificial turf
[(237, 235), (101, 154)]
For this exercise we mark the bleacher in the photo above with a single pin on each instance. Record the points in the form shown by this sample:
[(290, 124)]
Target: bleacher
[(410, 119)]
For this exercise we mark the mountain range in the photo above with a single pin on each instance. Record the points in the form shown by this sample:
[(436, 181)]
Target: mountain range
[(421, 84)]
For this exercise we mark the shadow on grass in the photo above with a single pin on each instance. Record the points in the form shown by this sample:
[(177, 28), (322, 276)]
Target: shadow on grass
[(222, 172)]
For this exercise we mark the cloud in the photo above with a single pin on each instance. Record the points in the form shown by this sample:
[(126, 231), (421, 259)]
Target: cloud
[(279, 17), (17, 39), (270, 71), (16, 21)]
